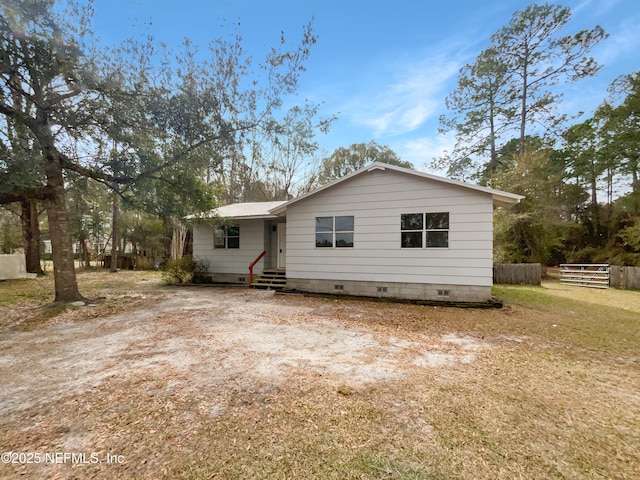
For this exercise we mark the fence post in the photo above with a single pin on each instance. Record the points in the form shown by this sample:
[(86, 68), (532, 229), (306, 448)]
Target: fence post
[(614, 276)]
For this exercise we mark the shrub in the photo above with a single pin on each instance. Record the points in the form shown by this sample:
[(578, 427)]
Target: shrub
[(200, 271), (185, 270), (178, 271)]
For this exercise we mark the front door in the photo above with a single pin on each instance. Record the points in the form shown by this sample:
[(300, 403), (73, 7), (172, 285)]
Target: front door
[(282, 246)]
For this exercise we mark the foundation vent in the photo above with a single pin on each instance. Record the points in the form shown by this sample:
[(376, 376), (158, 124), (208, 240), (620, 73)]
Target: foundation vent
[(443, 293), (338, 287), (382, 289)]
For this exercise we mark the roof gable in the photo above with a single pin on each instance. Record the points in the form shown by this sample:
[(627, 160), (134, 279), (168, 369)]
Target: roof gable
[(500, 198)]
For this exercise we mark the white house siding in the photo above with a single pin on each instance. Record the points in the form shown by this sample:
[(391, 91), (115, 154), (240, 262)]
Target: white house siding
[(376, 200), (231, 265)]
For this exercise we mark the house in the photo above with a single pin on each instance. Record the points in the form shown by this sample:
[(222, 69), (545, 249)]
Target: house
[(382, 231)]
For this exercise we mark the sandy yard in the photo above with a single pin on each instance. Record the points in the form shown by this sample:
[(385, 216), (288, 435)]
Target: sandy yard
[(209, 343), (209, 382), (206, 339)]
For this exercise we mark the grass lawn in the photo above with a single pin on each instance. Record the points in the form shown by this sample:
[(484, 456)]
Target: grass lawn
[(553, 392)]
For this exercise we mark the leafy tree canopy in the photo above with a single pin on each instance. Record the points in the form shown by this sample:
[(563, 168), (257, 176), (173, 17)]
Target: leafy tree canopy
[(346, 160)]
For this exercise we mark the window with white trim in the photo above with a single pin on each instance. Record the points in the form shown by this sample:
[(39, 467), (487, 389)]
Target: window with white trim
[(430, 230), (334, 232), (226, 237)]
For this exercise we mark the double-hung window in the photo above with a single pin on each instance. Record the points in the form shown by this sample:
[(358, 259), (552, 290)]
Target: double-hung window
[(412, 226), (430, 230), (226, 237), (334, 232), (437, 230)]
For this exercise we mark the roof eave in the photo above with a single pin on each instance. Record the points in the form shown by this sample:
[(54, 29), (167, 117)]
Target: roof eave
[(209, 216), (506, 200), (253, 217)]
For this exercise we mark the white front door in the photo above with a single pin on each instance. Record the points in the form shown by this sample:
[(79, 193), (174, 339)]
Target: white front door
[(282, 246)]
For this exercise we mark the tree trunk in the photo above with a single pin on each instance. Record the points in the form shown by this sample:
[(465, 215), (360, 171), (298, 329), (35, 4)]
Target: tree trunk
[(494, 154), (595, 212), (64, 271), (179, 233), (523, 101), (635, 184), (31, 234), (86, 252), (114, 239)]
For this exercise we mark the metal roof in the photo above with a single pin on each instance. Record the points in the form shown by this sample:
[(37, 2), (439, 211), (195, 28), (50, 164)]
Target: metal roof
[(243, 210)]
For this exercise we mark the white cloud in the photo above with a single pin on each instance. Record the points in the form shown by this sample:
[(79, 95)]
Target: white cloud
[(623, 42), (422, 151), (412, 96), (596, 7)]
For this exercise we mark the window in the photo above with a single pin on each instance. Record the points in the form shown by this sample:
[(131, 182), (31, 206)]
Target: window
[(412, 226), (437, 230), (226, 237), (428, 229), (344, 231), (334, 232)]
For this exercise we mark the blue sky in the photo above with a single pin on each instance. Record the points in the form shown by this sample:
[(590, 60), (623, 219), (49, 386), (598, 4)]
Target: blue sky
[(385, 68)]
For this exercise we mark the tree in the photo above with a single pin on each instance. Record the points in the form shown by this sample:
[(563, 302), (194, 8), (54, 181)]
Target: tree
[(177, 192), (42, 91), (20, 168), (532, 230), (88, 204), (482, 110), (161, 112), (585, 165), (535, 59), (290, 161), (277, 163), (10, 231), (621, 128), (597, 151), (343, 161), (509, 87)]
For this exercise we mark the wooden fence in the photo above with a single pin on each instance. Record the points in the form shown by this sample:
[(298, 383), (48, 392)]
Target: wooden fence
[(626, 278), (131, 262), (517, 273)]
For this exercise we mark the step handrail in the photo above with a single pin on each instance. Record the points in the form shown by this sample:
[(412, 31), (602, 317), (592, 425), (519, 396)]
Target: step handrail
[(253, 264)]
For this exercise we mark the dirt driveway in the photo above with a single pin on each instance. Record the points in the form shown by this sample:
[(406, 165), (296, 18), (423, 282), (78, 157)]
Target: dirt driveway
[(208, 339), (143, 383)]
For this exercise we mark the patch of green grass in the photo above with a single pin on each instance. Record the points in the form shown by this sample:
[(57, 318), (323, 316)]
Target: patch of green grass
[(524, 294), (537, 415), (38, 290), (28, 304), (91, 283), (603, 322)]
